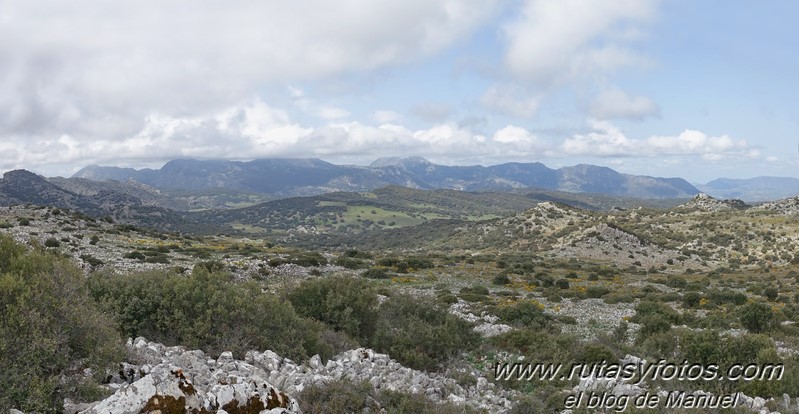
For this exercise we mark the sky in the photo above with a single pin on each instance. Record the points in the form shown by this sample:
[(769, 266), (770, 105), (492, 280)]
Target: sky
[(694, 89)]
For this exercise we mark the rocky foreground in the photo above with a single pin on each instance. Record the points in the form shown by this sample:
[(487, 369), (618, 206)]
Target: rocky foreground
[(173, 379)]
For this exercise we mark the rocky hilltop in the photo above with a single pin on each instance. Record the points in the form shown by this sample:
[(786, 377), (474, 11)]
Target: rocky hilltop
[(706, 203)]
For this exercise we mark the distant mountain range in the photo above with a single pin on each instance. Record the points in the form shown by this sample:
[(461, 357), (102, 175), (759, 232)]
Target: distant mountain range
[(272, 198), (293, 177), (756, 189)]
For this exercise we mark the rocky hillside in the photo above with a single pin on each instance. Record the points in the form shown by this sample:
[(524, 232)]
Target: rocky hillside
[(180, 200), (788, 206), (705, 203), (21, 187)]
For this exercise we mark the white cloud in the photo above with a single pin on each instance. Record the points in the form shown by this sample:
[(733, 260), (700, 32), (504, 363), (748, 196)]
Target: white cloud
[(257, 130), (433, 111), (606, 140), (514, 101), (554, 41), (93, 70), (573, 44), (615, 103), (386, 117), (331, 113)]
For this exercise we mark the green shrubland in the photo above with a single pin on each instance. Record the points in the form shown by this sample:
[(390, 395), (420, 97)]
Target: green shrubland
[(54, 341), (206, 310)]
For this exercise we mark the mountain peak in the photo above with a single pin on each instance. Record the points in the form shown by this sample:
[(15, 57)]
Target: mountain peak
[(21, 175), (399, 162)]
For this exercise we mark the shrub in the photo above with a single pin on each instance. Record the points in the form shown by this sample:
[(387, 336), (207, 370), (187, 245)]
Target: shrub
[(596, 291), (50, 328), (388, 262), (345, 304), (621, 331), (537, 345), (135, 255), (726, 296), (357, 254), (51, 242), (501, 280), (691, 299), (475, 290), (404, 266), (595, 353), (350, 262), (448, 299), (376, 273), (156, 258), (340, 396), (544, 280), (310, 259), (91, 260), (655, 323), (347, 396), (702, 346), (648, 308), (211, 266), (613, 298), (676, 282), (757, 317), (562, 284), (419, 334), (526, 314), (771, 293), (418, 263), (208, 311)]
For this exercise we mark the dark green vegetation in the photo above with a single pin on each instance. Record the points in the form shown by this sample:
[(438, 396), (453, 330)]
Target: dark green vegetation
[(416, 332), (419, 334), (206, 310), (338, 214), (50, 331)]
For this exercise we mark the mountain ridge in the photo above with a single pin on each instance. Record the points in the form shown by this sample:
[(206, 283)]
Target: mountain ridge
[(311, 176), (756, 189)]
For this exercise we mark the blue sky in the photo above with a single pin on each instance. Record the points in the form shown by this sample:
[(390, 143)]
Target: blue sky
[(683, 88)]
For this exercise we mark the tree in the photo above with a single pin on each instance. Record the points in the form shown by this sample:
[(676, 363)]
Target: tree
[(346, 304), (757, 317)]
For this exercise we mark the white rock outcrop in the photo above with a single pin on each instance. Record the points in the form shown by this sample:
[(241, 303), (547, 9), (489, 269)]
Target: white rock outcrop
[(173, 379)]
